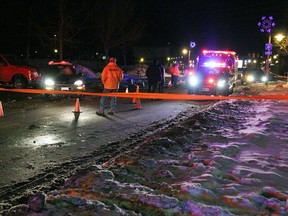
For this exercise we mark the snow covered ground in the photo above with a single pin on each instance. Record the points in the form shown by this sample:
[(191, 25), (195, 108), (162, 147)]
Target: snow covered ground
[(229, 160)]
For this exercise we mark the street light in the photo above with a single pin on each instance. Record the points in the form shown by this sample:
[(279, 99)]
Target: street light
[(185, 51), (282, 42), (141, 60), (279, 37)]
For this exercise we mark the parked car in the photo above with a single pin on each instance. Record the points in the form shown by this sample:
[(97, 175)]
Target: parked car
[(255, 76), (16, 73), (130, 81), (61, 76)]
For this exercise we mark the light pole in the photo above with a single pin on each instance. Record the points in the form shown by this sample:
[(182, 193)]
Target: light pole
[(266, 25)]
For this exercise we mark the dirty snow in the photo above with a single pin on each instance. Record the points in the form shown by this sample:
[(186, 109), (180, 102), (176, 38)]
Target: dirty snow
[(229, 160)]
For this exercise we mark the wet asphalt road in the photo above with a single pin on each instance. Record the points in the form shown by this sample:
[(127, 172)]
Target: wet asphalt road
[(37, 135)]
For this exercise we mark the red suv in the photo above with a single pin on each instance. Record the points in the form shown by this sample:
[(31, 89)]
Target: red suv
[(16, 74)]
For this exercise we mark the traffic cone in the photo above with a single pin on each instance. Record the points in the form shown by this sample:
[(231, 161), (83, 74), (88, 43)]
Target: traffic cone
[(77, 106), (1, 110), (137, 91), (138, 103), (127, 91)]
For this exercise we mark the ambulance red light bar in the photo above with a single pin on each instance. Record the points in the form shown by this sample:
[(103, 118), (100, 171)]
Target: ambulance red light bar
[(59, 62), (218, 52)]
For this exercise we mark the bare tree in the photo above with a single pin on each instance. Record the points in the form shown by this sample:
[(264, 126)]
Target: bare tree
[(117, 23), (61, 25)]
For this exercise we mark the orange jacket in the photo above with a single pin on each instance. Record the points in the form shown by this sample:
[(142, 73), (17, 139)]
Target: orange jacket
[(111, 76), (174, 70)]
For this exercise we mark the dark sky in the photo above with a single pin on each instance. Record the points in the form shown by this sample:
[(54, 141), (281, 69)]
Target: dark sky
[(213, 24), (219, 24)]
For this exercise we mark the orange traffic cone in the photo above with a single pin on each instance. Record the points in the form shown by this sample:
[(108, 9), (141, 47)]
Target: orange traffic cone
[(138, 103), (137, 91), (1, 110), (77, 106)]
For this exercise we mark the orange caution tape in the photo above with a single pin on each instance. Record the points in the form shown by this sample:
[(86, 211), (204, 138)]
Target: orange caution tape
[(151, 95)]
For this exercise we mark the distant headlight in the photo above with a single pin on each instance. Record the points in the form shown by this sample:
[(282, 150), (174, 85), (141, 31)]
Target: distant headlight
[(221, 83), (49, 82), (78, 83), (263, 78), (250, 78), (193, 81)]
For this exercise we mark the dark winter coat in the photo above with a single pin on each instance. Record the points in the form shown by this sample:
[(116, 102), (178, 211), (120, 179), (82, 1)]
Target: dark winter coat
[(153, 73)]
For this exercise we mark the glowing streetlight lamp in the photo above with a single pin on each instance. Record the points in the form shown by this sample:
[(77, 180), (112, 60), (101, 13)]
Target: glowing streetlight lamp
[(184, 51), (141, 60), (279, 37)]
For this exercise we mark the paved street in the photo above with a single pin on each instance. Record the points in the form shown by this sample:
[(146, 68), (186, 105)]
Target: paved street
[(38, 135)]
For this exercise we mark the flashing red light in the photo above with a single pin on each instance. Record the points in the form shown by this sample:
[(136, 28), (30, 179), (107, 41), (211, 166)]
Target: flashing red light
[(218, 52), (59, 62), (210, 80)]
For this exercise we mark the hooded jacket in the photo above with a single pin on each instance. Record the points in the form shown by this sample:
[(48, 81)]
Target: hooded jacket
[(174, 70), (111, 76)]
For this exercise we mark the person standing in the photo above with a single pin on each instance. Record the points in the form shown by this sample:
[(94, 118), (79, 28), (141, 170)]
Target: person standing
[(175, 72), (111, 77), (162, 79), (153, 74)]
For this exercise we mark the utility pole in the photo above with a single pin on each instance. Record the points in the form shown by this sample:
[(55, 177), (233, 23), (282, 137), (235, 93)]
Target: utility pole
[(266, 25)]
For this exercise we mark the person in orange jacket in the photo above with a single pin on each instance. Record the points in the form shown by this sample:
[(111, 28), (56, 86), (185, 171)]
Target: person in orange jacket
[(111, 77), (175, 72)]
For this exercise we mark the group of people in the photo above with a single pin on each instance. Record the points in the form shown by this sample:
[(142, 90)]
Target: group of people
[(112, 75), (156, 76)]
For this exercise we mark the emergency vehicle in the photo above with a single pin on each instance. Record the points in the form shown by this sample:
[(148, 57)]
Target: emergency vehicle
[(215, 73)]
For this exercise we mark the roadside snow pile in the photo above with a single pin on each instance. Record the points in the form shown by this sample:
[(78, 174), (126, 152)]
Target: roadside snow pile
[(229, 160)]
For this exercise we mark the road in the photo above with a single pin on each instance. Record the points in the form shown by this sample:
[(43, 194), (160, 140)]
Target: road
[(40, 138)]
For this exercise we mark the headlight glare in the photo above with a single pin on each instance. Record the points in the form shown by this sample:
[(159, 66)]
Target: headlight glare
[(221, 83), (49, 82), (250, 78), (264, 79), (78, 83), (192, 81)]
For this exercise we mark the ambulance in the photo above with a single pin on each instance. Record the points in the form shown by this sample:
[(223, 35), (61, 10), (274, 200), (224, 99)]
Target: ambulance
[(216, 73)]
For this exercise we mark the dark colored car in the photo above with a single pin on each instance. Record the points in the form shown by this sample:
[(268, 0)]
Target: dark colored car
[(130, 81), (255, 76), (61, 76)]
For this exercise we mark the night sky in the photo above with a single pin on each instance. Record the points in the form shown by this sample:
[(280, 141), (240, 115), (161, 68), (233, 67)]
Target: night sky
[(218, 24)]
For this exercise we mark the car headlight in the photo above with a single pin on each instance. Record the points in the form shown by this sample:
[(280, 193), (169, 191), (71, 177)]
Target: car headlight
[(250, 78), (221, 83), (263, 78), (193, 81), (49, 82), (78, 83)]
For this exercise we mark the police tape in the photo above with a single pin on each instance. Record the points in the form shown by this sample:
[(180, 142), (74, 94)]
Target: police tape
[(164, 96)]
